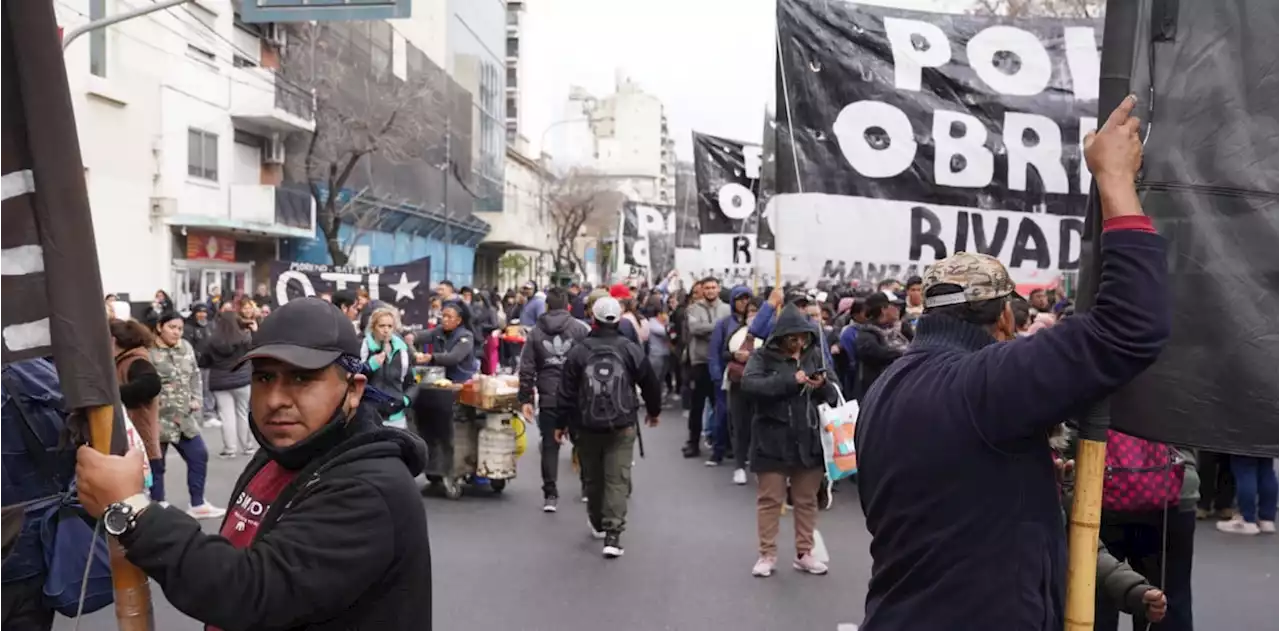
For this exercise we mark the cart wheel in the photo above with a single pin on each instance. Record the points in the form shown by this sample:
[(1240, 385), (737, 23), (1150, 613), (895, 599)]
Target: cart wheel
[(452, 489), (497, 485)]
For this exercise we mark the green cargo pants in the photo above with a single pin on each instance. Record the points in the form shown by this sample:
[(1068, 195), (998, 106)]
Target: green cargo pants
[(605, 458)]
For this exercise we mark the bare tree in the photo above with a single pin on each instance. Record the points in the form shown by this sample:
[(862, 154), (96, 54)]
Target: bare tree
[(1040, 8), (576, 202), (362, 112)]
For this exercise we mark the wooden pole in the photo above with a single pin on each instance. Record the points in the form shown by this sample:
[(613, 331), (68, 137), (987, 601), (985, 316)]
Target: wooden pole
[(1082, 540), (132, 591)]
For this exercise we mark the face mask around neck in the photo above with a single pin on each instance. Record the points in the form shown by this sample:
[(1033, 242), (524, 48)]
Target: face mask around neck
[(301, 453)]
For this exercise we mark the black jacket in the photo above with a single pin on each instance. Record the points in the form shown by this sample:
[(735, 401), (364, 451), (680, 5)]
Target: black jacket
[(198, 336), (544, 355), (576, 361), (344, 546), (220, 356), (875, 354), (784, 426)]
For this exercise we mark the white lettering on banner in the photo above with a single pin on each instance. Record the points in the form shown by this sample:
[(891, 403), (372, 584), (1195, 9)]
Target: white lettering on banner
[(1045, 153), (1028, 77), (751, 155), (282, 285), (1087, 124), (339, 280), (736, 201), (916, 45), (863, 238), (976, 165), (1082, 60)]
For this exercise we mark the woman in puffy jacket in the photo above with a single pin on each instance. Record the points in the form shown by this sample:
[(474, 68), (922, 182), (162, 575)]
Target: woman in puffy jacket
[(139, 382)]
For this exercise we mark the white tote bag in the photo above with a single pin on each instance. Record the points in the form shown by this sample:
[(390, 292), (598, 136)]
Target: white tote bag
[(836, 430)]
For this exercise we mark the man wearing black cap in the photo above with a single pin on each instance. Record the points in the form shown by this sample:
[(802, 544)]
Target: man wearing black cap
[(327, 528), (879, 341)]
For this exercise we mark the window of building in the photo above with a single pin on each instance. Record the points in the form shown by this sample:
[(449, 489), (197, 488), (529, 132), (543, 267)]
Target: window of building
[(513, 16), (202, 154), (511, 107), (513, 47), (380, 36), (512, 77), (98, 39)]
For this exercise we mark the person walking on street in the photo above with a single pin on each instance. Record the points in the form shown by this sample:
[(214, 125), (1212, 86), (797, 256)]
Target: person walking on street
[(955, 471), (389, 359), (180, 402), (1255, 496), (719, 358), (197, 330), (229, 383), (327, 531), (786, 379), (700, 322), (601, 375), (541, 364), (138, 380)]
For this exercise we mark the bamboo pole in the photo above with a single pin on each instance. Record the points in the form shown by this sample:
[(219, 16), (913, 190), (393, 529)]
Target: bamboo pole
[(132, 591), (1082, 541)]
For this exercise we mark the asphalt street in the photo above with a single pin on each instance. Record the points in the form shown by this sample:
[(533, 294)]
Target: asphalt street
[(499, 562)]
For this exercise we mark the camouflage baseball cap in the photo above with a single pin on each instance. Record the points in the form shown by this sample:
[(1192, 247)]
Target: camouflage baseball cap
[(979, 277)]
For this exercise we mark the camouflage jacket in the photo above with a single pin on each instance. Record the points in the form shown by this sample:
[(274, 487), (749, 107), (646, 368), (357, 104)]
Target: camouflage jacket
[(180, 391)]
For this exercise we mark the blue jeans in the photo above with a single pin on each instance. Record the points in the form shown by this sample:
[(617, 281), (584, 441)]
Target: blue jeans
[(1255, 488), (196, 456)]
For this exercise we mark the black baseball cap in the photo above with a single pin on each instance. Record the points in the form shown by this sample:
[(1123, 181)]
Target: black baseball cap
[(309, 333)]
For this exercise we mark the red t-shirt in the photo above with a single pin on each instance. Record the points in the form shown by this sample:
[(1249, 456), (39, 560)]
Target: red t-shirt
[(252, 504)]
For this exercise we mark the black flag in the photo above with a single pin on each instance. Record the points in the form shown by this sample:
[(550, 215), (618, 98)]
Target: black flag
[(52, 300)]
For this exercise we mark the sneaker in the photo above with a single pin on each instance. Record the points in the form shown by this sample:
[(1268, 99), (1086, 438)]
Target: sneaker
[(691, 451), (595, 534), (739, 476), (1202, 514), (809, 564), (612, 546), (712, 463), (825, 497), (1227, 513), (1266, 527), (163, 504), (212, 423), (549, 504), (228, 454), (206, 511), (1238, 526), (584, 499), (764, 566)]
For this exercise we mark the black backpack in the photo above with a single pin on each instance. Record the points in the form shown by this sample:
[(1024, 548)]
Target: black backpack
[(607, 395)]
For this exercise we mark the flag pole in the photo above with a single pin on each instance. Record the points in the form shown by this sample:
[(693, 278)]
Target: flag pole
[(1118, 43), (80, 341)]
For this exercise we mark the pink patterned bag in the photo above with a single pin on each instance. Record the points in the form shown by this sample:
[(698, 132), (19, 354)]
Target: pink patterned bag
[(1140, 475)]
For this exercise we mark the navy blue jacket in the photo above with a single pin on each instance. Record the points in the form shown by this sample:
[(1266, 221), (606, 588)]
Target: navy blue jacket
[(455, 351), (955, 473), (719, 355)]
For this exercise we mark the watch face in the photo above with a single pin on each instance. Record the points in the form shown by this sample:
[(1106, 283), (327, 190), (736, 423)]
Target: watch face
[(116, 520)]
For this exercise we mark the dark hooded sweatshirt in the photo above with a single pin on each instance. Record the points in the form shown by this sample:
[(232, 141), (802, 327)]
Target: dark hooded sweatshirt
[(784, 427), (544, 354), (342, 546), (955, 473)]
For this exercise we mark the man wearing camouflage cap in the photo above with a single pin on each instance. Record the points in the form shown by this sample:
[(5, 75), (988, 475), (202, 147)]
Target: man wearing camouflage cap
[(955, 472)]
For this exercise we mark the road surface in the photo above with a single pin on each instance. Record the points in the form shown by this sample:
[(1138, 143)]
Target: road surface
[(500, 563)]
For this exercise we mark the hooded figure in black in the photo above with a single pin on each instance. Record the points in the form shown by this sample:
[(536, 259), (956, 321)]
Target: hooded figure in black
[(787, 379)]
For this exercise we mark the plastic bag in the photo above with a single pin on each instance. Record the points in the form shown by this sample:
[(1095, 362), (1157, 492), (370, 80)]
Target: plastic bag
[(836, 432)]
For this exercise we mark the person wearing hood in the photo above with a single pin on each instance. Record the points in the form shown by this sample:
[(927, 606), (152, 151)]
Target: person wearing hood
[(704, 311), (196, 331), (389, 359), (719, 358), (327, 529), (541, 364), (762, 325), (786, 379)]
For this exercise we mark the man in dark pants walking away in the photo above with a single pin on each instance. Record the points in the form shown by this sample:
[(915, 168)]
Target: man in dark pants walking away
[(600, 376), (541, 362)]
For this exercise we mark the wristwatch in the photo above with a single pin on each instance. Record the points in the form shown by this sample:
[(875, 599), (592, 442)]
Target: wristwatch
[(122, 516)]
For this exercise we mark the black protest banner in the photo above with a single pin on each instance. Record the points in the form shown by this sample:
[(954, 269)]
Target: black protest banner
[(406, 286), (1210, 173), (52, 292), (648, 233), (729, 204), (937, 132)]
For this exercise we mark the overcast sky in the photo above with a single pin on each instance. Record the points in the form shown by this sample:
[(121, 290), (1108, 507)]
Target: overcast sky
[(710, 61)]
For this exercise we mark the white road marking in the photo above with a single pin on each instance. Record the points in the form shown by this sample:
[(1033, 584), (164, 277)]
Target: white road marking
[(819, 550), (17, 183)]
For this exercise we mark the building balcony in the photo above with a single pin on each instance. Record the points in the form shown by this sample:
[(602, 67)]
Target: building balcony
[(266, 104), (261, 209)]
